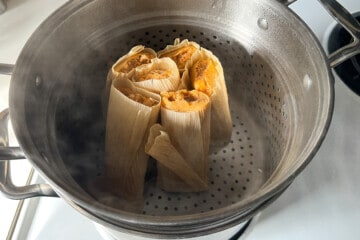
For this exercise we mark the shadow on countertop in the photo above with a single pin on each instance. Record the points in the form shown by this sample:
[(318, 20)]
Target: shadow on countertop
[(2, 6), (6, 5)]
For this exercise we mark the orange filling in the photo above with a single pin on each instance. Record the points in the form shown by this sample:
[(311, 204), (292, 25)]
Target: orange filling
[(138, 97), (156, 74), (203, 74), (181, 56), (133, 62), (184, 100)]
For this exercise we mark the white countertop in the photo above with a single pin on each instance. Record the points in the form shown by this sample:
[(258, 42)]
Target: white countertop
[(322, 203)]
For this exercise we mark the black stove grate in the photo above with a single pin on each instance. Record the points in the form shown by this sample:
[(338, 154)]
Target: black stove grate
[(348, 71)]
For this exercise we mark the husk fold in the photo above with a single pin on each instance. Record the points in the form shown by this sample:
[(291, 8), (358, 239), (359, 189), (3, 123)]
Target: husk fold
[(160, 147)]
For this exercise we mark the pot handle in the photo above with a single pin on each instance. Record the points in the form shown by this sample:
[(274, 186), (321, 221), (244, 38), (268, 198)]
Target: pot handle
[(6, 185), (7, 152), (6, 69), (349, 22), (286, 2), (343, 17)]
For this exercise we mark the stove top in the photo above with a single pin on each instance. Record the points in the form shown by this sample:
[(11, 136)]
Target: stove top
[(322, 203)]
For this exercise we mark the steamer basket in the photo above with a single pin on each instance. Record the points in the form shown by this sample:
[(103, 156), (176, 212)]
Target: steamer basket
[(278, 110)]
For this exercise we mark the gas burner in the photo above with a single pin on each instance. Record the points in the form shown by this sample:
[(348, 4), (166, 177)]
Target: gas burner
[(349, 71)]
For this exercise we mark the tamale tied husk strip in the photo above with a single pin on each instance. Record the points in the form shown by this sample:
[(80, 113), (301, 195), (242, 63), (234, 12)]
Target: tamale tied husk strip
[(131, 112), (180, 52), (161, 74), (204, 73), (185, 118)]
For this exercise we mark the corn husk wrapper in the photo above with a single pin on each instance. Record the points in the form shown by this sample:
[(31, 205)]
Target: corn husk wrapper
[(180, 52), (126, 63), (117, 72), (127, 127), (160, 147), (167, 83), (181, 146), (221, 123)]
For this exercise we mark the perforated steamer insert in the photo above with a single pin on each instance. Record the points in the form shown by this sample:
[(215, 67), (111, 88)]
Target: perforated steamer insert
[(258, 109)]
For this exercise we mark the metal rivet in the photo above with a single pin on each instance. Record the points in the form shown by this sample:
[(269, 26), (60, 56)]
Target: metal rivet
[(263, 23), (43, 155), (38, 81), (307, 82)]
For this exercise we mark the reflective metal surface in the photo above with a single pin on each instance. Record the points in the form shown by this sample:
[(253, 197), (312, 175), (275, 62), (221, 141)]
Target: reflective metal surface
[(6, 185), (7, 152)]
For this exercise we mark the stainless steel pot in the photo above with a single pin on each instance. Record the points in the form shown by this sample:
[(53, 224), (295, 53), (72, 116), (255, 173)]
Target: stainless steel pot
[(280, 90)]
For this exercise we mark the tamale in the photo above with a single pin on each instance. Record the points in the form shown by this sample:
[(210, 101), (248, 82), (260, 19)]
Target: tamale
[(131, 112), (204, 73), (182, 145), (137, 56), (157, 76), (180, 52)]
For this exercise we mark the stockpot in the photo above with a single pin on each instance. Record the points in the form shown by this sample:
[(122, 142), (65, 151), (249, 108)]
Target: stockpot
[(281, 96)]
